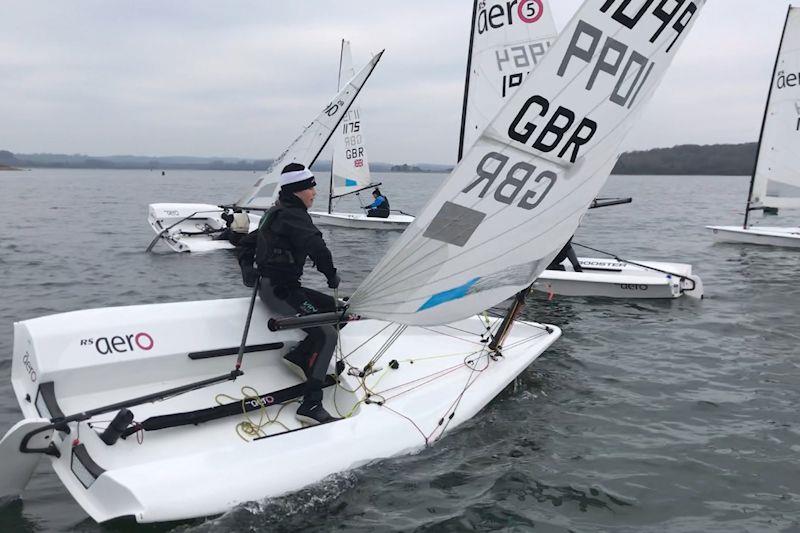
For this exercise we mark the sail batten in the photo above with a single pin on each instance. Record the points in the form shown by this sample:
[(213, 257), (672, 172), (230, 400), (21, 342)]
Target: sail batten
[(533, 169), (776, 179), (306, 148)]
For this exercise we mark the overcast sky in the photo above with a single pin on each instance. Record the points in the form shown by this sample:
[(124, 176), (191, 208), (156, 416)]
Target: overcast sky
[(241, 78)]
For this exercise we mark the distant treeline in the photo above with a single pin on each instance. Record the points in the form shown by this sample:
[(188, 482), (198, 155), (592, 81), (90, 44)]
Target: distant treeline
[(715, 159), (175, 163)]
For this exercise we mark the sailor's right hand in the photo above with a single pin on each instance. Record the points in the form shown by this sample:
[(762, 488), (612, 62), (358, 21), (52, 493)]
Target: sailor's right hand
[(334, 281)]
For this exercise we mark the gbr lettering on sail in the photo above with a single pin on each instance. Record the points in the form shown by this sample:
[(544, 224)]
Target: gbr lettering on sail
[(605, 72)]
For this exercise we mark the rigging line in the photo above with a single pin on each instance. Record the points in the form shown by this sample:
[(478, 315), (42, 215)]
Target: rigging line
[(638, 104), (425, 380), (521, 342), (471, 379), (462, 339), (680, 276), (344, 358), (387, 345), (433, 376), (422, 433)]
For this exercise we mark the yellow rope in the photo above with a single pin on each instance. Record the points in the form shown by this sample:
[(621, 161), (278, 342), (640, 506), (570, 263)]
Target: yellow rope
[(249, 429)]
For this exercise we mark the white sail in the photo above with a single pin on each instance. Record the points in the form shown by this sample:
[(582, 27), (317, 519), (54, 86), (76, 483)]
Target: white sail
[(517, 195), (309, 144), (777, 175), (508, 40), (350, 166)]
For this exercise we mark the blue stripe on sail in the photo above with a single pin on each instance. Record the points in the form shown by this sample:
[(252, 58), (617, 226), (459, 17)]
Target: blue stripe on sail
[(448, 295), (350, 183)]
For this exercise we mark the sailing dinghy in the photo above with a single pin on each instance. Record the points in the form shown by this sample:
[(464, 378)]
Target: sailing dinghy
[(199, 227), (159, 413), (497, 63), (350, 172), (613, 278), (775, 183)]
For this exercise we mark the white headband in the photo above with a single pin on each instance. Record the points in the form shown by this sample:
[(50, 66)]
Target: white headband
[(295, 176)]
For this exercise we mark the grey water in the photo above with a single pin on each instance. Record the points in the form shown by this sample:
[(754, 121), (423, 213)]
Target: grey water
[(646, 416)]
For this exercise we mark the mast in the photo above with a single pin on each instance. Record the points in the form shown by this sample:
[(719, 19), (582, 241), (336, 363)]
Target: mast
[(466, 81), (338, 88), (764, 121)]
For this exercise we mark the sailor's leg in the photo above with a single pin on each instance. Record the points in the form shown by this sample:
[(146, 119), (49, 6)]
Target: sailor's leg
[(297, 358), (576, 265)]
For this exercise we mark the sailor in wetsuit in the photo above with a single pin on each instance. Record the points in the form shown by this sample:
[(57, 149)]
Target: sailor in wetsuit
[(237, 226), (287, 236), (566, 253), (380, 207)]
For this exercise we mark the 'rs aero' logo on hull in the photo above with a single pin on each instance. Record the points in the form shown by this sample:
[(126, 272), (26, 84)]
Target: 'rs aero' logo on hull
[(26, 360), (120, 343)]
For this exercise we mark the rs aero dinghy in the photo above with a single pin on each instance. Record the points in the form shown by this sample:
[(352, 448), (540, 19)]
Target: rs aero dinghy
[(775, 183), (128, 404), (200, 227), (497, 63), (350, 173)]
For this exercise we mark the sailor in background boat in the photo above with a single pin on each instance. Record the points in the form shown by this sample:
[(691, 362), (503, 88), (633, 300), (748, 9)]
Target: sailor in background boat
[(380, 207), (238, 225), (567, 252), (280, 247)]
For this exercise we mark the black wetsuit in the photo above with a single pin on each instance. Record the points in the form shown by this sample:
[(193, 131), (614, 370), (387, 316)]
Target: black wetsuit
[(286, 237), (566, 253)]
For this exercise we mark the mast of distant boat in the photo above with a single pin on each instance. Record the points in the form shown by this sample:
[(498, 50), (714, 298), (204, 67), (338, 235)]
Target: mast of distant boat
[(763, 124), (466, 82), (338, 88)]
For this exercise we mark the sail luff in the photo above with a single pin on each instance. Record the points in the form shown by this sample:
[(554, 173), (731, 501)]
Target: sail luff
[(748, 207)]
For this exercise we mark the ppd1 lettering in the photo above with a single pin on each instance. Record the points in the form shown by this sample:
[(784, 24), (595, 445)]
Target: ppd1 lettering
[(491, 167), (613, 54)]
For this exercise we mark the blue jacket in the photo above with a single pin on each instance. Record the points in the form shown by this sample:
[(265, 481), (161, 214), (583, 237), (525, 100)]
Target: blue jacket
[(377, 203)]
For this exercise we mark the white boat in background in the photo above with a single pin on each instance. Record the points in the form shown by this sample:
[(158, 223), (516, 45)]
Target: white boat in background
[(619, 279), (198, 227), (775, 183), (418, 360), (497, 63), (350, 172), (192, 227)]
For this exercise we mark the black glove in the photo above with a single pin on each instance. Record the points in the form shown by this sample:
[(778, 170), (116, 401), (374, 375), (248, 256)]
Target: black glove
[(249, 274), (333, 281)]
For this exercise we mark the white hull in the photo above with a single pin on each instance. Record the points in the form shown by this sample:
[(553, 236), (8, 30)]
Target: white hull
[(96, 357), (198, 233), (764, 235), (612, 279), (361, 221)]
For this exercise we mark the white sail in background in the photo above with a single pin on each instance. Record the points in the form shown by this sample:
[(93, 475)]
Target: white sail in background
[(777, 175), (309, 144), (508, 40), (517, 195), (350, 163)]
